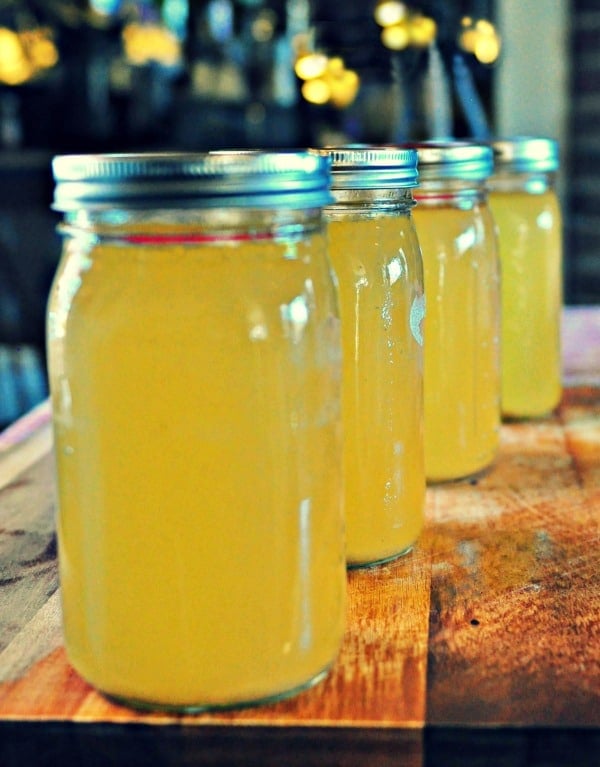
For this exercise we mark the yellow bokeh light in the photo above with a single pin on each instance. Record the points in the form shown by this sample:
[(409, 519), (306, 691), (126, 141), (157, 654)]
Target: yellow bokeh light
[(468, 39), (310, 66), (485, 27), (15, 67), (25, 54), (144, 43), (487, 48), (335, 65), (316, 91), (10, 45), (390, 12), (397, 37), (39, 47), (481, 39), (423, 30), (344, 88), (44, 53), (334, 84)]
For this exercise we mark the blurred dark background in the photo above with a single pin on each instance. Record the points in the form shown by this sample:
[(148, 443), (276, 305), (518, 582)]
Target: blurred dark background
[(125, 75)]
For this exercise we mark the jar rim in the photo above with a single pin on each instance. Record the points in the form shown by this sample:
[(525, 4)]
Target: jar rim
[(526, 154), (455, 159), (370, 166), (238, 178)]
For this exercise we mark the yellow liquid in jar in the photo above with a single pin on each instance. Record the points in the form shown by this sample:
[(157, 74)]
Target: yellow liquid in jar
[(462, 367), (197, 432), (529, 228), (380, 280)]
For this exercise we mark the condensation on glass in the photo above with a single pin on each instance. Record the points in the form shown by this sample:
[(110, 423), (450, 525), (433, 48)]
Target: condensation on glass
[(377, 260), (527, 212), (462, 333), (195, 366)]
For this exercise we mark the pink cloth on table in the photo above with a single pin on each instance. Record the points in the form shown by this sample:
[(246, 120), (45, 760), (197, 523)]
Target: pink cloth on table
[(25, 426), (581, 345)]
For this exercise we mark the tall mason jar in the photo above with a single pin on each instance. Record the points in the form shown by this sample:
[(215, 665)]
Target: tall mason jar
[(376, 257), (194, 361), (527, 212), (462, 360)]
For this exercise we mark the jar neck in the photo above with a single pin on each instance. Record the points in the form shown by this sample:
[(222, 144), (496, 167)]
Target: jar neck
[(196, 225), (532, 183), (450, 193), (368, 203)]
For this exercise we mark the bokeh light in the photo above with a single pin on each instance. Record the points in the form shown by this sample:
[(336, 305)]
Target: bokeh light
[(326, 79), (423, 30), (396, 37), (480, 38), (25, 54), (316, 91), (403, 27), (144, 43), (388, 13), (310, 65)]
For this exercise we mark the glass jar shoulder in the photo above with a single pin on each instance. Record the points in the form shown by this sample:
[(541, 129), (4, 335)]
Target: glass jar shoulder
[(522, 208), (463, 228), (102, 278), (194, 225), (370, 244)]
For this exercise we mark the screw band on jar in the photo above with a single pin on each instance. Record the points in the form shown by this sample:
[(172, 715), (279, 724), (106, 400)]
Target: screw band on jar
[(178, 180)]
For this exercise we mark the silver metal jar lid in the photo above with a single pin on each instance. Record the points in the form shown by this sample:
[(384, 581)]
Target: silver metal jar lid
[(247, 179), (371, 167), (461, 160), (526, 154)]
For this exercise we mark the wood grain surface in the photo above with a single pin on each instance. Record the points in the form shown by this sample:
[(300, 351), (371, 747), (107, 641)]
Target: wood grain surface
[(491, 625), (515, 598)]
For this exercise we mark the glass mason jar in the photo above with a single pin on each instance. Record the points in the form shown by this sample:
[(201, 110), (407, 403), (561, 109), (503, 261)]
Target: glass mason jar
[(195, 366), (375, 254), (527, 213), (462, 361)]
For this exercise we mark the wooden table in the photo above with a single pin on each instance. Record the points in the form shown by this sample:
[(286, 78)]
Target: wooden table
[(480, 648)]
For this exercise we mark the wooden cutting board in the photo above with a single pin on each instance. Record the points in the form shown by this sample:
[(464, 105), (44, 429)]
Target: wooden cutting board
[(491, 624), (492, 619)]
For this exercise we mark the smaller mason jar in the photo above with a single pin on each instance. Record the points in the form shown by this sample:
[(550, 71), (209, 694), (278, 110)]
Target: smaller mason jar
[(195, 367), (462, 360), (375, 254), (527, 212)]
